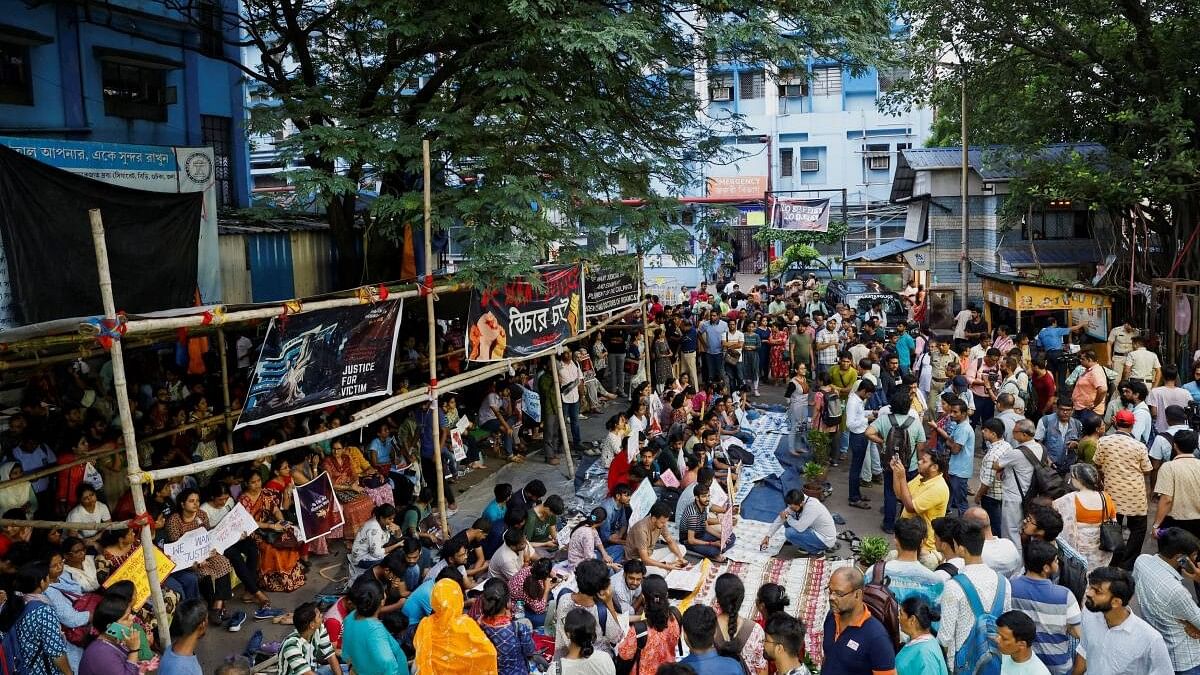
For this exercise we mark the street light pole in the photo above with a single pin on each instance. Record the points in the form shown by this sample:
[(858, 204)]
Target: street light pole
[(964, 264)]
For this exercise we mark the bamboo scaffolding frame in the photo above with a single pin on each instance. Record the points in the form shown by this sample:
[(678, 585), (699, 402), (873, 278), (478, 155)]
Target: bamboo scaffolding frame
[(435, 412), (64, 524)]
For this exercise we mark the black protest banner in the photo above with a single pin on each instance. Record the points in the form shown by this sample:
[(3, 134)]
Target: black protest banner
[(517, 319), (316, 359), (605, 291), (317, 509)]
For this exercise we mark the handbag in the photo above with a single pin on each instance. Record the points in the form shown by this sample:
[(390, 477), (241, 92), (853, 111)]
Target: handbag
[(631, 365), (1111, 535), (80, 636)]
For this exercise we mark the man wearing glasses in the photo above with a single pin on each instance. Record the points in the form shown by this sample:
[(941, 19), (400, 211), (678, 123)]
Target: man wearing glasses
[(855, 643)]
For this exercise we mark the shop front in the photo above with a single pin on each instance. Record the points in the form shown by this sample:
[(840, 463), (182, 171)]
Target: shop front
[(1025, 305)]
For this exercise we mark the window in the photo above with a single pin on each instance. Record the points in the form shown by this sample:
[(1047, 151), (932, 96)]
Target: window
[(877, 156), (720, 88), (752, 85), (1058, 220), (827, 80), (136, 92), (792, 85), (888, 77), (212, 24), (16, 85), (785, 162), (217, 132)]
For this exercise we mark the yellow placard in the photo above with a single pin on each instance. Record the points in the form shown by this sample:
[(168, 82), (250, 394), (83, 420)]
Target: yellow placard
[(134, 569), (1036, 297)]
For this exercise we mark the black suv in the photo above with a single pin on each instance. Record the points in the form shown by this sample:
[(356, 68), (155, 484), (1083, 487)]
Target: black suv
[(860, 294)]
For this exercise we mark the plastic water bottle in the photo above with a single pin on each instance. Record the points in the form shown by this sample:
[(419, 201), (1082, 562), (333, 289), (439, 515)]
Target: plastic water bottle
[(519, 611)]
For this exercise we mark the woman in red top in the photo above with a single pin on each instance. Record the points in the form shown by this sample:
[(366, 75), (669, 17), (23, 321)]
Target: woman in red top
[(278, 549), (662, 630)]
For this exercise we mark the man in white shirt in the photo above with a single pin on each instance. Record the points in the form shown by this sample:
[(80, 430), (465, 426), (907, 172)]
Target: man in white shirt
[(999, 554), (957, 616), (857, 419), (1120, 343), (1133, 395), (1018, 475), (1142, 364), (1160, 448), (961, 320), (1006, 413), (1115, 640), (1016, 382), (810, 526), (512, 556), (570, 379)]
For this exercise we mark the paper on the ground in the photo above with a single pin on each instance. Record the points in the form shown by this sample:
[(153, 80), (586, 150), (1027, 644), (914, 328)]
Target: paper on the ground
[(749, 535), (687, 579), (641, 501)]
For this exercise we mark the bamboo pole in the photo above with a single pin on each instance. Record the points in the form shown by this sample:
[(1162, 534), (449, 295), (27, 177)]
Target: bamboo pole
[(222, 350), (122, 391), (51, 470), (435, 412), (564, 439), (64, 524)]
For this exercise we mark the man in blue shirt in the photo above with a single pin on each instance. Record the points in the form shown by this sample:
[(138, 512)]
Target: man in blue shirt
[(615, 526), (905, 346), (855, 643), (699, 627), (712, 336), (1050, 340), (960, 444)]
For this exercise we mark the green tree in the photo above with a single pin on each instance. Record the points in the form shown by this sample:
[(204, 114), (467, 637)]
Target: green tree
[(1121, 73), (542, 115)]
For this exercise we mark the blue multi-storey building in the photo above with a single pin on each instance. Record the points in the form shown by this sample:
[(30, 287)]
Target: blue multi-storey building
[(126, 72)]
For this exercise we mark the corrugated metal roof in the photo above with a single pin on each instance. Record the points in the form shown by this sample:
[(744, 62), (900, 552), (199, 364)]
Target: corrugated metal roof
[(993, 162), (1052, 252), (893, 247)]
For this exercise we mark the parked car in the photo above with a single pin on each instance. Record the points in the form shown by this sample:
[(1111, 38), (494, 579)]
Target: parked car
[(860, 294)]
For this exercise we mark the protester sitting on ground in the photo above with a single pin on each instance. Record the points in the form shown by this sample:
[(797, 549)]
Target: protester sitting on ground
[(585, 541), (533, 586), (374, 541), (214, 572), (115, 648), (512, 556), (627, 585), (699, 629), (697, 534), (581, 656), (307, 649), (654, 641), (541, 528), (645, 534), (616, 524), (512, 638), (366, 644), (89, 510), (79, 564), (809, 525), (594, 595), (279, 551)]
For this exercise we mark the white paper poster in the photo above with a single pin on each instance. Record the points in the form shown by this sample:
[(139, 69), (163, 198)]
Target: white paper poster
[(191, 548), (232, 528), (641, 501)]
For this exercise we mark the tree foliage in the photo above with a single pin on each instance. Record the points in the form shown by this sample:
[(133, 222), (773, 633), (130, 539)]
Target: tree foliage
[(1121, 73), (542, 114)]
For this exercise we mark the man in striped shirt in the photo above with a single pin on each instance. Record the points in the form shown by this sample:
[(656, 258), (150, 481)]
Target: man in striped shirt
[(308, 645), (1052, 607)]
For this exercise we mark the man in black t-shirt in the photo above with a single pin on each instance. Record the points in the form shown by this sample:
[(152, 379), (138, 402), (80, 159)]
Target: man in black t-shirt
[(614, 341)]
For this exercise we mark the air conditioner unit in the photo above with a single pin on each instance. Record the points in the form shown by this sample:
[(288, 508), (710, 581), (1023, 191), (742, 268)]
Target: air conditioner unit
[(793, 90), (810, 165), (721, 93), (879, 163)]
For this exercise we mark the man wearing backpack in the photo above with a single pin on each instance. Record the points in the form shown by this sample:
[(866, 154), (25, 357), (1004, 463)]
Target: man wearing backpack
[(897, 431), (1017, 479), (1125, 461), (971, 602), (855, 642)]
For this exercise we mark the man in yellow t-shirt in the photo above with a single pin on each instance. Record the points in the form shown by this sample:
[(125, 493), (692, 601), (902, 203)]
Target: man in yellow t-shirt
[(925, 496)]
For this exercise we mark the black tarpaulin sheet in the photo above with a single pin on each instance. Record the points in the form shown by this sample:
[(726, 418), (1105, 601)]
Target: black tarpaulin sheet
[(152, 242)]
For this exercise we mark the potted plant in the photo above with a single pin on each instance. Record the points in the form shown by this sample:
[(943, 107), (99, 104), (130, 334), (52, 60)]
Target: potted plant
[(871, 550), (814, 480), (818, 444)]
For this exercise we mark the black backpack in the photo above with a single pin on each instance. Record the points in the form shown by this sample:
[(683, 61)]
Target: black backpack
[(1045, 481), (898, 442)]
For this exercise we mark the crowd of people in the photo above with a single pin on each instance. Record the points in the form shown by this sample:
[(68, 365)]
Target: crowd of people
[(1018, 489)]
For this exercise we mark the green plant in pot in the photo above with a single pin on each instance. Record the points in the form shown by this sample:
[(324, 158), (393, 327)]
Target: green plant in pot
[(818, 444), (872, 550), (814, 480)]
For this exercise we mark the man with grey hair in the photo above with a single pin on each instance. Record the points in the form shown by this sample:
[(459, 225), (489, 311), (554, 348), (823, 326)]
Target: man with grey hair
[(1017, 477), (1007, 413)]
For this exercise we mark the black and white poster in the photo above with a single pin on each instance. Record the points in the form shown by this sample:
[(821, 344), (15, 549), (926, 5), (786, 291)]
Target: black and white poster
[(606, 290), (519, 318), (325, 357), (804, 215)]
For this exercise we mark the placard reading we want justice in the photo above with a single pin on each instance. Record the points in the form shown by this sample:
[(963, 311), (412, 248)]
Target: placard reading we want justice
[(197, 545)]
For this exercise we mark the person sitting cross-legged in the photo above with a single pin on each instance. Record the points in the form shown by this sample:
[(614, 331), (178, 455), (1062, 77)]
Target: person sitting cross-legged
[(698, 534)]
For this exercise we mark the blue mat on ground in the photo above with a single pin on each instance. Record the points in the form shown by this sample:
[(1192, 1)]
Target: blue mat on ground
[(765, 500)]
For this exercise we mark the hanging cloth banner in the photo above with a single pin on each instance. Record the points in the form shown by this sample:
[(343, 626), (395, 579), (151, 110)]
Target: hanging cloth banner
[(317, 509), (803, 215), (327, 357), (518, 320), (605, 291)]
